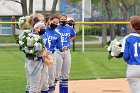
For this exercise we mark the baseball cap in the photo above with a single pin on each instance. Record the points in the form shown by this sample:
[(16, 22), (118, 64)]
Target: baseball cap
[(38, 24), (70, 19)]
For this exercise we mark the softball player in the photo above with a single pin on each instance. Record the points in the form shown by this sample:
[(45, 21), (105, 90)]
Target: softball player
[(50, 38), (72, 24), (36, 68), (63, 56), (131, 54), (31, 21)]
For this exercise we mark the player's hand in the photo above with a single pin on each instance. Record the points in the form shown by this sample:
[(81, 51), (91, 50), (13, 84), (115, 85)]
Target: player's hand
[(48, 63), (64, 48), (48, 60)]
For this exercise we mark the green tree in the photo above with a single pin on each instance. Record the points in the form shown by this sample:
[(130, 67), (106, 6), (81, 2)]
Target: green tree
[(136, 3), (107, 5)]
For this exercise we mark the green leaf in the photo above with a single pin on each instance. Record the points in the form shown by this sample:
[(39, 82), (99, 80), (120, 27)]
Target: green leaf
[(30, 56), (110, 57)]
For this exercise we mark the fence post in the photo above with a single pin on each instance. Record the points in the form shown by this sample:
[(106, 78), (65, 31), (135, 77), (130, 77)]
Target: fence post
[(13, 26)]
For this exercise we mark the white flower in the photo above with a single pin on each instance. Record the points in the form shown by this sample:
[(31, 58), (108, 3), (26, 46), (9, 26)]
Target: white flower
[(115, 47), (112, 53), (21, 21), (31, 52), (30, 34), (30, 41), (27, 31), (21, 43), (38, 46), (37, 37), (21, 36), (26, 49)]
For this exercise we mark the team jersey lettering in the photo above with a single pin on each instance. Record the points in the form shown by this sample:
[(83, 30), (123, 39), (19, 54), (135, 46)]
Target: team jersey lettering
[(136, 46), (64, 37), (51, 38)]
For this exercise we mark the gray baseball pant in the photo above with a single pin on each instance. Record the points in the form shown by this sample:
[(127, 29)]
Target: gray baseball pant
[(36, 71), (133, 76)]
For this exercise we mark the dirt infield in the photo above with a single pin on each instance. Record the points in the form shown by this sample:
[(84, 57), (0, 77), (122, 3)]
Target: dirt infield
[(98, 86)]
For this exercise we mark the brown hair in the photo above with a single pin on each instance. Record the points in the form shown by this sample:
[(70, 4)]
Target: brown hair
[(54, 16), (135, 23), (64, 15)]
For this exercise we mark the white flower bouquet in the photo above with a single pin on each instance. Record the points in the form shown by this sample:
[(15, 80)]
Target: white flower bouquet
[(114, 48), (22, 23), (31, 44)]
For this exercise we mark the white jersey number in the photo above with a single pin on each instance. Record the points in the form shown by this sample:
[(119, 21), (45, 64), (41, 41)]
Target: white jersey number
[(136, 45)]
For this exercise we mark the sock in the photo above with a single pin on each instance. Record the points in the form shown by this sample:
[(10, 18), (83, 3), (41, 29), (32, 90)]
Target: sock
[(44, 91), (65, 85), (55, 83), (60, 87)]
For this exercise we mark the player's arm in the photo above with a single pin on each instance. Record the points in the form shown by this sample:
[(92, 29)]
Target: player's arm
[(72, 35), (72, 38)]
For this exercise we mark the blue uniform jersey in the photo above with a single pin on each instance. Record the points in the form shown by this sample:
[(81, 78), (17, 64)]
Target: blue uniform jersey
[(131, 48), (66, 33), (51, 39)]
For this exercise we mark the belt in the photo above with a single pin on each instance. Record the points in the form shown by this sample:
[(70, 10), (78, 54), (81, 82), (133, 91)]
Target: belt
[(39, 59)]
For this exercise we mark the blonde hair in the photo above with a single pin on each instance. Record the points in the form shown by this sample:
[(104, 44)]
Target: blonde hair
[(33, 19)]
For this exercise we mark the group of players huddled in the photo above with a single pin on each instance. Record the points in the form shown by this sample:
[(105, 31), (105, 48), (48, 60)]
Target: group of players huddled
[(43, 73), (57, 33)]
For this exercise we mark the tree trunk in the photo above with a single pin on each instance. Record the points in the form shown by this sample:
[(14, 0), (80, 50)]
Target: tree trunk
[(136, 7), (44, 7), (110, 17), (54, 6), (30, 7), (125, 9), (24, 7), (104, 33)]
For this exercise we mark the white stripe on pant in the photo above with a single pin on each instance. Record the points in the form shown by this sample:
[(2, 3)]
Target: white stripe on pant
[(35, 75)]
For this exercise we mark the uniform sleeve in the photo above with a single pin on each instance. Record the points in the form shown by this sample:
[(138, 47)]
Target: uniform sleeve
[(126, 55), (44, 36), (73, 33), (123, 44)]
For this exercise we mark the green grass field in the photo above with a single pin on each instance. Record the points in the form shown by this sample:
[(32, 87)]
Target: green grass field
[(11, 39), (7, 39), (91, 64)]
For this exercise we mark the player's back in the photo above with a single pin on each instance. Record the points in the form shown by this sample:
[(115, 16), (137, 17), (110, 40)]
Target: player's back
[(132, 49)]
